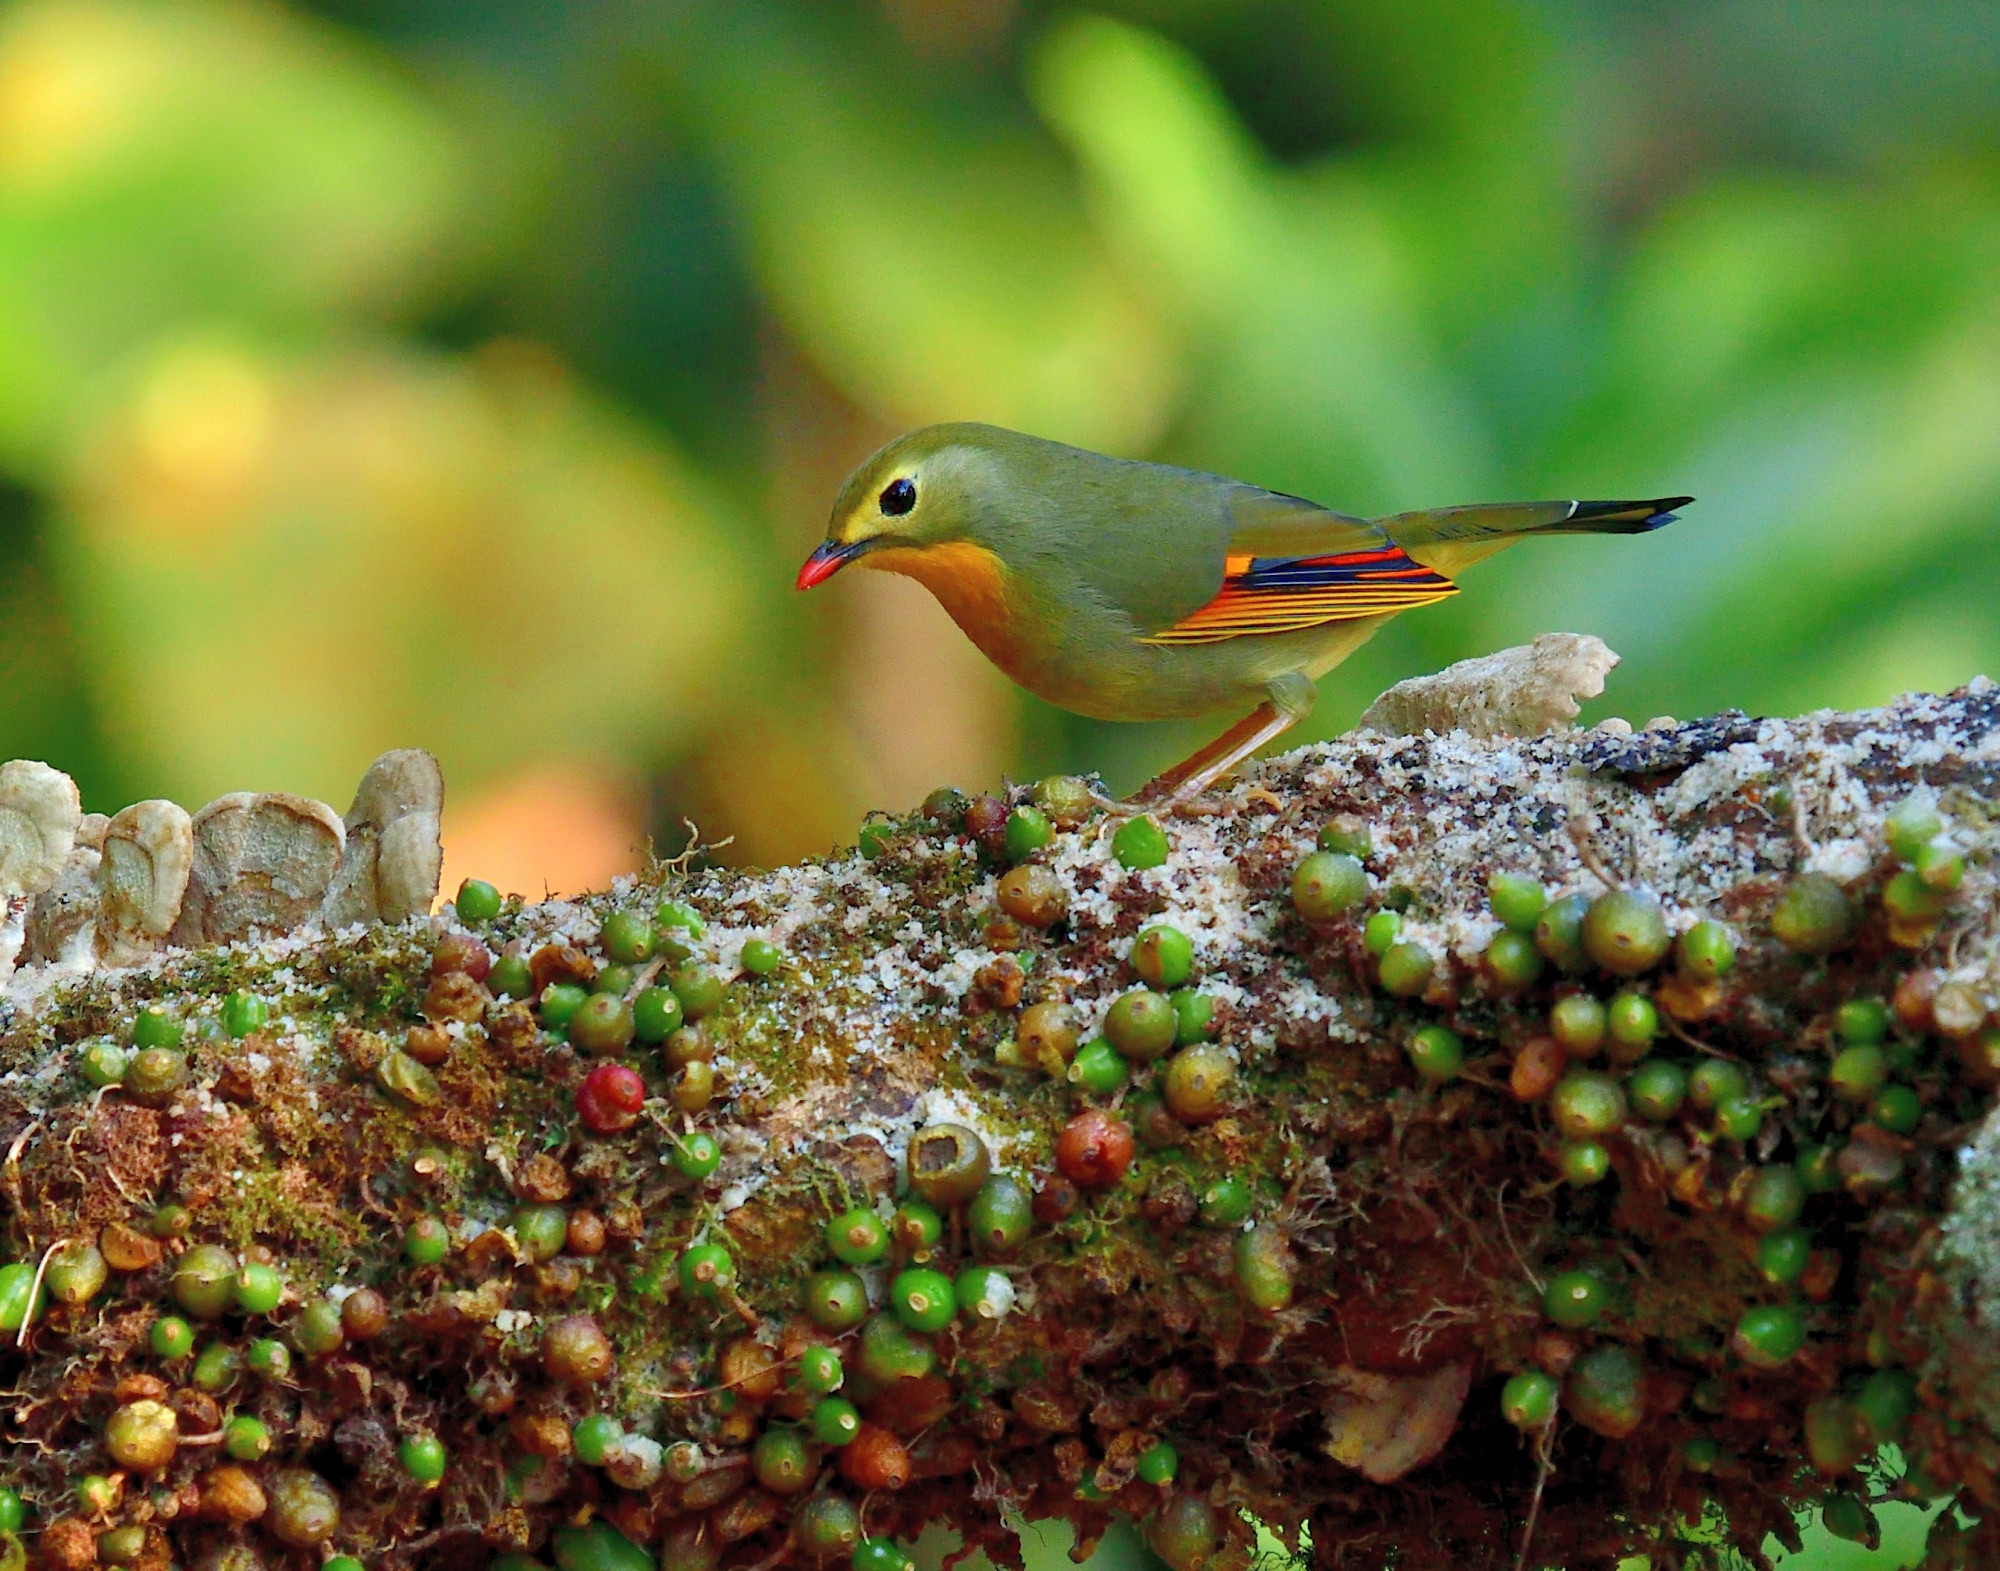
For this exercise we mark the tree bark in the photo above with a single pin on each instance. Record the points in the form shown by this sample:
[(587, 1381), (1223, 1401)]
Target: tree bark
[(1305, 1250)]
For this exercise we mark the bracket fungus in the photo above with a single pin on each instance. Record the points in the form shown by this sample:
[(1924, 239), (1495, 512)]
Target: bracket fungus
[(39, 814), (142, 877), (262, 863)]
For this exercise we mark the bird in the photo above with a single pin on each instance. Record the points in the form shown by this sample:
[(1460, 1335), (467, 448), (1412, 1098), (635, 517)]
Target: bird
[(1128, 590)]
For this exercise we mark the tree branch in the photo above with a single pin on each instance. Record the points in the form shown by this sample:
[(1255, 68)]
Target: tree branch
[(1305, 1250)]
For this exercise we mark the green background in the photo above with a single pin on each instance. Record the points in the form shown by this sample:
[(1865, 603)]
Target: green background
[(474, 373)]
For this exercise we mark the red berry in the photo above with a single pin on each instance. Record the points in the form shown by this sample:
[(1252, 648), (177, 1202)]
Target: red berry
[(609, 1099), (1094, 1149), (462, 952)]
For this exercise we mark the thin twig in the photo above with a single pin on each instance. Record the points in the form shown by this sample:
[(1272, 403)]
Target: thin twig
[(1544, 1465)]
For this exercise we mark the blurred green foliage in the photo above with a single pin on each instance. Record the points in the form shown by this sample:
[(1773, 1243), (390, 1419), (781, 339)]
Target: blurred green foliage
[(473, 372)]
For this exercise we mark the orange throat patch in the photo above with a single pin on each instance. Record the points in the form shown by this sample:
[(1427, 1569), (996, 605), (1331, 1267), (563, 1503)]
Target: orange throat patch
[(969, 581)]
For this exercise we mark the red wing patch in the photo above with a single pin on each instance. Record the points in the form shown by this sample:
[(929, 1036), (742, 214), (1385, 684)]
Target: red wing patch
[(1282, 594)]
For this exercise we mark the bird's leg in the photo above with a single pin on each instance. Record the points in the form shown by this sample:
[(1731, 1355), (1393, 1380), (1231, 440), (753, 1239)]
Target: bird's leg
[(1290, 702)]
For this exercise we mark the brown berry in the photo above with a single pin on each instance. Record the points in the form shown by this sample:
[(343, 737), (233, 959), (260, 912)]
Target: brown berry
[(1538, 1066), (875, 1459), (1033, 896), (576, 1351)]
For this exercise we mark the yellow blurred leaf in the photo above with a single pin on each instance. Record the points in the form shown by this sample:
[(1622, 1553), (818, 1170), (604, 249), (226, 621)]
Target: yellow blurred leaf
[(284, 567)]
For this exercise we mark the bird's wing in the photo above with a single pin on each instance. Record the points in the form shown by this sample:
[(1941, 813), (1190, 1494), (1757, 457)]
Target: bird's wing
[(1345, 569)]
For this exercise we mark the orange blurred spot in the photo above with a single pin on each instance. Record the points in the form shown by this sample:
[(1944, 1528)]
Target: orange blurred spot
[(554, 829)]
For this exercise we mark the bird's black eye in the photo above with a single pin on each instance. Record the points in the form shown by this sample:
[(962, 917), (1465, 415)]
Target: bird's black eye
[(898, 497)]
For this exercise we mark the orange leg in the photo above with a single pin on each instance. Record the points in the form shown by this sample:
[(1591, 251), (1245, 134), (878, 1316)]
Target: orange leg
[(1290, 702)]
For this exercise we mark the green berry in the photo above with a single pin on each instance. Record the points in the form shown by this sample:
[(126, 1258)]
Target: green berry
[(268, 1359), (203, 1282), (559, 1003), (1325, 884), (948, 1162), (1583, 1163), (422, 1456), (1194, 1017), (1348, 835), (1225, 1203), (155, 1074), (246, 1439), (1862, 1022), (875, 837), (1818, 1167), (1185, 1531), (1027, 831), (171, 1337), (318, 1329), (1517, 900), (1512, 960), (1406, 970), (76, 1272), (628, 938), (1782, 1255), (1700, 1454), (835, 1421), (1939, 869), (258, 1289), (857, 1237), (1847, 1516), (699, 989), (1141, 1025), (153, 1026), (1578, 1023), (1907, 898), (696, 1155), (476, 902), (820, 1371), (1576, 1299), (1379, 936), (508, 978), (171, 1221), (243, 1013), (1163, 956), (1632, 1022), (922, 1299), (836, 1300), (1707, 951), (780, 1461), (1739, 1118), (1859, 1073), (983, 1292), (603, 1026), (656, 1015), (97, 1494), (13, 1512), (1157, 1464), (1264, 1268), (1528, 1401), (1067, 799), (598, 1547), (879, 1554), (217, 1366), (1587, 1106), (1769, 1336), (1775, 1198), (1000, 1216), (1813, 915), (707, 1271), (103, 1063), (1625, 931), (427, 1241), (917, 1226), (1559, 933), (1897, 1109), (761, 957), (1656, 1089), (1885, 1404), (1715, 1081), (1438, 1055), (1098, 1067), (1139, 843), (595, 1438), (1913, 824), (672, 916), (888, 1350), (1834, 1442)]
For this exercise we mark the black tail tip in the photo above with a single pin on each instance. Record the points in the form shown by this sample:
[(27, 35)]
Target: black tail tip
[(1628, 518)]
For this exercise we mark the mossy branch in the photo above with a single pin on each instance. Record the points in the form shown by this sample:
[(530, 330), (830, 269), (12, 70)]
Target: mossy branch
[(1286, 1266)]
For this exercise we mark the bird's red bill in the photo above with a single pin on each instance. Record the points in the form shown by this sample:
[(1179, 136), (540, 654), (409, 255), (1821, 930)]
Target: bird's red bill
[(828, 558)]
